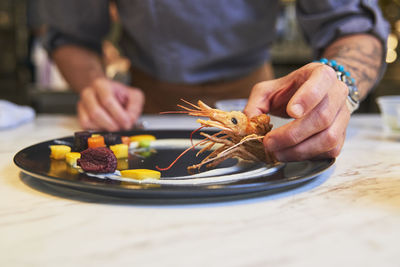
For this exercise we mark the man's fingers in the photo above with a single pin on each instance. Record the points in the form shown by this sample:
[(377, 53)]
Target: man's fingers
[(98, 116), (110, 106), (325, 144), (134, 105), (298, 130), (108, 99), (84, 119), (315, 98), (258, 100), (312, 91)]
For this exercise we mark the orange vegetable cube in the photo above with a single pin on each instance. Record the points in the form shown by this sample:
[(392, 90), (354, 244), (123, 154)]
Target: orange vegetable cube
[(125, 140), (96, 141)]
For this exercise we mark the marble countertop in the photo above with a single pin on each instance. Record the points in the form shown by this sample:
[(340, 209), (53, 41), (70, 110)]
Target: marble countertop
[(348, 216)]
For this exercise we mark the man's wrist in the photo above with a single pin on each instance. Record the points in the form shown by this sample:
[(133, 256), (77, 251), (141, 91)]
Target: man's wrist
[(353, 99)]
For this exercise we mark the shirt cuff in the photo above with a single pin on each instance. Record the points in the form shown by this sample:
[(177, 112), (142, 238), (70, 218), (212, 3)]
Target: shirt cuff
[(55, 39)]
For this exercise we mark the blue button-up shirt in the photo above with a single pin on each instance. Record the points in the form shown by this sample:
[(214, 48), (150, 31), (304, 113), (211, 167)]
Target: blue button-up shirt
[(198, 41)]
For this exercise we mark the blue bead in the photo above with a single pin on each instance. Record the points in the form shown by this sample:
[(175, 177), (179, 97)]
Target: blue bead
[(323, 60), (340, 68), (353, 80), (333, 63), (347, 73)]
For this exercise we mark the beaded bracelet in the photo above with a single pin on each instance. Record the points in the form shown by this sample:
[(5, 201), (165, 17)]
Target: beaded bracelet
[(353, 100)]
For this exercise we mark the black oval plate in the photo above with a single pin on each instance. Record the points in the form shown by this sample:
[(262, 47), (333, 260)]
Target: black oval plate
[(35, 161)]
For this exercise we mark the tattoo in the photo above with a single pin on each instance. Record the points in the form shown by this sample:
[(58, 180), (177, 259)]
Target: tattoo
[(363, 59)]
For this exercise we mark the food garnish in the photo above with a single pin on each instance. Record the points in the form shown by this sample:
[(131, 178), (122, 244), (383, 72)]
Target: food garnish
[(72, 157), (59, 151), (96, 141), (120, 150), (100, 154), (141, 174), (142, 137), (125, 140), (98, 160), (80, 140), (112, 139)]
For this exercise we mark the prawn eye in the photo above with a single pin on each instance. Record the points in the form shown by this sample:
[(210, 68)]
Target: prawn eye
[(234, 120)]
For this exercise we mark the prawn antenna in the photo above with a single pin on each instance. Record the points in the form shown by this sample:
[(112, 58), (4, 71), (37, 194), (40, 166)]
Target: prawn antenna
[(192, 133), (174, 112), (183, 153)]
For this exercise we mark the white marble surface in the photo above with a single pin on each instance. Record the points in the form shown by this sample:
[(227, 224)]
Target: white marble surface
[(350, 216)]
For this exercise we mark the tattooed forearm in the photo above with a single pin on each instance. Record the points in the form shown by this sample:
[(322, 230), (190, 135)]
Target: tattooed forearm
[(360, 54)]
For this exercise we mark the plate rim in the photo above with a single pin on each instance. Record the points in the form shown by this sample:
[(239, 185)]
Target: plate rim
[(183, 191)]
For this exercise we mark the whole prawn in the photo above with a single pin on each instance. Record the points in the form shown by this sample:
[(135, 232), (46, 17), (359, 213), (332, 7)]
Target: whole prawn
[(240, 136)]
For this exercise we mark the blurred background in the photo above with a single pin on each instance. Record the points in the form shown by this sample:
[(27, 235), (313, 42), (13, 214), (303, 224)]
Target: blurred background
[(28, 77)]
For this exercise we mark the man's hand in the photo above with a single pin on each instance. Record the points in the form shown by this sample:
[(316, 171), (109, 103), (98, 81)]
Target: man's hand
[(104, 104), (316, 99), (109, 105)]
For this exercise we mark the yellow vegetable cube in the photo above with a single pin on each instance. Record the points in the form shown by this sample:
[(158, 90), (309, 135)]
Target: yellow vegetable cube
[(57, 167), (72, 157), (72, 170), (59, 151), (122, 164), (120, 150), (142, 137), (141, 174)]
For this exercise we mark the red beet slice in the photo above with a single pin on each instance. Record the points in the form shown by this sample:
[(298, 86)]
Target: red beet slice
[(98, 160)]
